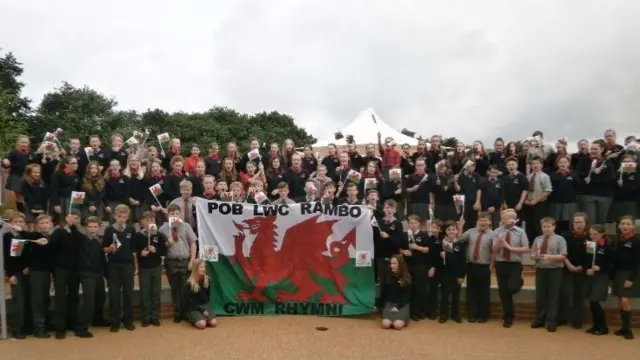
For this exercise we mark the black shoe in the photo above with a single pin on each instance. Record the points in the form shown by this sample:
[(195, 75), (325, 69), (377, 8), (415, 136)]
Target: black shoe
[(114, 328), (472, 320), (592, 329), (84, 334), (576, 325), (537, 324), (61, 335), (442, 320), (155, 322), (551, 327), (620, 332), (432, 317), (507, 323), (129, 326), (41, 334), (19, 335), (457, 319), (482, 320), (177, 319), (145, 323), (600, 332), (629, 335)]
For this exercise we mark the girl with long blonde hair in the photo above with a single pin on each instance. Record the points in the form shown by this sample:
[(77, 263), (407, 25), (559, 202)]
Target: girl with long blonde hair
[(195, 300)]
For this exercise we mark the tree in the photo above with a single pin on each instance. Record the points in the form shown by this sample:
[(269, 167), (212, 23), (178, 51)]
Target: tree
[(14, 108), (450, 142), (78, 111)]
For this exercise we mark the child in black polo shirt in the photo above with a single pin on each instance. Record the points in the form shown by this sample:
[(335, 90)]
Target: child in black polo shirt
[(118, 245), (150, 246)]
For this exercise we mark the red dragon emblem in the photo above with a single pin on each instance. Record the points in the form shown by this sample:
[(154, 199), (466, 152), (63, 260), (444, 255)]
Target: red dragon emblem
[(301, 254)]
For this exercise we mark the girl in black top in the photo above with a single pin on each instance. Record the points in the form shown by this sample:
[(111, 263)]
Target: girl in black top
[(598, 184), (375, 182), (137, 185), (459, 158), (195, 298), (331, 161), (626, 261), (116, 189), (48, 156), (35, 192), (274, 177), (213, 162), (197, 177), (522, 157), (597, 262), (572, 293), (16, 162), (562, 201), (397, 294), (64, 181), (175, 149), (229, 173), (174, 177), (296, 177), (499, 156), (370, 155), (442, 189), (407, 164), (93, 186), (236, 159), (309, 161), (626, 192), (418, 188), (481, 158)]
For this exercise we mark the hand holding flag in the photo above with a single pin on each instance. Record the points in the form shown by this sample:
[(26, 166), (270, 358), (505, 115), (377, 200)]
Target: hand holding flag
[(354, 176), (395, 174), (17, 247), (254, 154), (370, 183), (88, 151), (132, 141), (260, 197), (156, 190), (77, 198), (58, 132)]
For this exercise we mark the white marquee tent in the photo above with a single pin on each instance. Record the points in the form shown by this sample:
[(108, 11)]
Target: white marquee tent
[(364, 130)]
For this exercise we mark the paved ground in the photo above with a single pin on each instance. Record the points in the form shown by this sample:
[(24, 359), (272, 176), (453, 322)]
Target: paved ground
[(296, 338)]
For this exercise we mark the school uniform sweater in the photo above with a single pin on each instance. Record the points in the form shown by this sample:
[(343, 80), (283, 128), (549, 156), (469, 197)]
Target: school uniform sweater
[(124, 253), (117, 190), (91, 256), (397, 292), (421, 195), (576, 248), (296, 178), (62, 184), (417, 258), (499, 159), (151, 181), (331, 163), (492, 191), (172, 185), (41, 257), (442, 192), (601, 184), (19, 161), (389, 189), (482, 164), (36, 195), (65, 248), (564, 187), (116, 154), (469, 184), (363, 188), (213, 165), (195, 300), (196, 182), (456, 258), (385, 248), (94, 196), (630, 189), (137, 188), (626, 256), (514, 185), (13, 264), (141, 242), (49, 167), (604, 258)]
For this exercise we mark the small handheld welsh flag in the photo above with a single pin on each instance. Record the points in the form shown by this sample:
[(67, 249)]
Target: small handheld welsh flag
[(88, 151), (310, 189), (458, 200), (226, 196), (58, 132), (354, 176), (77, 197), (116, 242), (628, 167), (132, 141), (370, 183), (164, 138), (152, 228), (138, 135), (156, 190), (253, 154), (17, 247), (175, 221), (590, 247), (395, 174), (260, 197), (440, 165), (49, 137)]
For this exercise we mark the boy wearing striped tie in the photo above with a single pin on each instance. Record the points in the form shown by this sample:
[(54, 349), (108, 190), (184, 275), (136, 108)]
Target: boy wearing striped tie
[(509, 245), (549, 250)]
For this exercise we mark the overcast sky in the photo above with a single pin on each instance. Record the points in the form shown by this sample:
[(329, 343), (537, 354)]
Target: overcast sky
[(466, 68)]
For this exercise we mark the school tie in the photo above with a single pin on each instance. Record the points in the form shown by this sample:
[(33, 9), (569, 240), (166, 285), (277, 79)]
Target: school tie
[(174, 234), (507, 253), (187, 211), (544, 245), (532, 182), (476, 248)]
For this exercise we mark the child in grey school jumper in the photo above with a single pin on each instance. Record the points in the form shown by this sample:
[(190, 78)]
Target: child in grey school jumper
[(549, 250)]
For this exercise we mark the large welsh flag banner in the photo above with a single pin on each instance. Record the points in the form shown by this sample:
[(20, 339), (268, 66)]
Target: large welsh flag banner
[(307, 259)]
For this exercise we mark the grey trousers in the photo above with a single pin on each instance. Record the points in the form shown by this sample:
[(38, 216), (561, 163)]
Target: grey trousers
[(150, 281), (177, 273), (596, 207), (90, 282), (548, 285)]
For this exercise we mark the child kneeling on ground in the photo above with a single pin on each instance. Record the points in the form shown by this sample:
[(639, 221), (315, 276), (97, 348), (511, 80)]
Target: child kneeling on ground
[(397, 295), (195, 300)]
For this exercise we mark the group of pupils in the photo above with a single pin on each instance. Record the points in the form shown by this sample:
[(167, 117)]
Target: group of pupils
[(422, 184)]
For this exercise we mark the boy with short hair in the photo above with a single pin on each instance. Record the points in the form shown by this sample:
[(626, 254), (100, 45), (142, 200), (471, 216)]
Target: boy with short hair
[(119, 247), (415, 248), (387, 243), (209, 187), (453, 273), (65, 276), (549, 250), (237, 190), (181, 253), (434, 264), (490, 195), (150, 246), (283, 195), (221, 188), (479, 256), (17, 272), (352, 195), (257, 186), (186, 203), (329, 195), (91, 268)]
